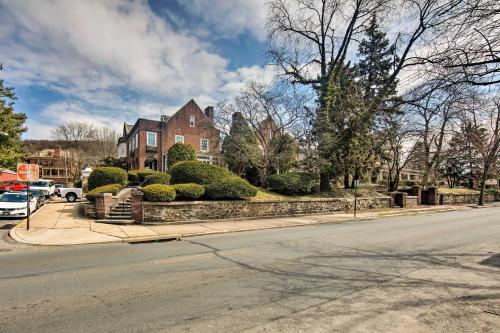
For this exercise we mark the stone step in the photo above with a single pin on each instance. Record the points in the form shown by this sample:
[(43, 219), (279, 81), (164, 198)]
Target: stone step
[(120, 217), (116, 221), (122, 211)]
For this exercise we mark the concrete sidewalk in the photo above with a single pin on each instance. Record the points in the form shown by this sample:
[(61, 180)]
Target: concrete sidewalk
[(59, 223)]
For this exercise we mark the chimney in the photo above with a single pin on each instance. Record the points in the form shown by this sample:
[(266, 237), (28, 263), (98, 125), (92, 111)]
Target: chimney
[(209, 112)]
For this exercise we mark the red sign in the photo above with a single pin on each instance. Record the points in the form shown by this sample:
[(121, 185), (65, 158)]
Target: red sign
[(27, 172)]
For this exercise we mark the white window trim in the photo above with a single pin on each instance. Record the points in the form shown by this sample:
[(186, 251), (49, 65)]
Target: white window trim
[(179, 136), (155, 139), (192, 121), (201, 145)]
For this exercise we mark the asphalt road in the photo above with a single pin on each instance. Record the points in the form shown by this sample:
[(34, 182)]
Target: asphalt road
[(422, 273)]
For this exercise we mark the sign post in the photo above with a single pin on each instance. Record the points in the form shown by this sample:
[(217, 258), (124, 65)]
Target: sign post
[(356, 184), (27, 173)]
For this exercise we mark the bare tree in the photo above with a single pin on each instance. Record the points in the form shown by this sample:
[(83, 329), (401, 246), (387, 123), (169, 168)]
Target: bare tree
[(485, 137), (401, 140), (104, 142), (431, 115), (271, 112), (75, 136), (468, 47)]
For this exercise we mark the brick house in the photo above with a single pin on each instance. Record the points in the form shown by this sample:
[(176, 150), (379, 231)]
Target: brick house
[(144, 145), (54, 164)]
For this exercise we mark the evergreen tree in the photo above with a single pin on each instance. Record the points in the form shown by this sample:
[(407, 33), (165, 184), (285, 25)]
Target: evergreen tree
[(376, 62), (240, 147), (180, 152), (284, 150), (11, 128)]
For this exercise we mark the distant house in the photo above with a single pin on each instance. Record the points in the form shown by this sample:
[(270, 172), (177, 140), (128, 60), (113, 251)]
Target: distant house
[(54, 164), (144, 145)]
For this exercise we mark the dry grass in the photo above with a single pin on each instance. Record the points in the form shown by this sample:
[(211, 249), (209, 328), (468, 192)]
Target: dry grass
[(363, 192), (444, 190)]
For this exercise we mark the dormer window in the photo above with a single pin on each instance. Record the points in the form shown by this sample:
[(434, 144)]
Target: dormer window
[(192, 121)]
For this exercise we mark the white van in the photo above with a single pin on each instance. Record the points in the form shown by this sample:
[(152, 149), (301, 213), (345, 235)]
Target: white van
[(45, 185)]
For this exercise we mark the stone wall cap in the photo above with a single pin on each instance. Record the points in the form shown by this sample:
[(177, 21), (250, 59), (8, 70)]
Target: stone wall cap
[(104, 195)]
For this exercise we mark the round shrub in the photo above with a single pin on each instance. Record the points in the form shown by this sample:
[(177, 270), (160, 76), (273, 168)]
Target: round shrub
[(133, 176), (189, 191), (148, 177), (110, 188), (291, 183), (106, 175), (230, 188), (180, 152), (198, 172), (159, 192)]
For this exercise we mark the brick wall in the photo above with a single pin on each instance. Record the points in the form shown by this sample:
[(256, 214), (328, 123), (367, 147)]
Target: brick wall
[(175, 212)]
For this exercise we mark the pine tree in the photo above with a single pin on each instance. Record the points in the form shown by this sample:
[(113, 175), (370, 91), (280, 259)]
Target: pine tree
[(240, 147), (376, 61), (11, 128)]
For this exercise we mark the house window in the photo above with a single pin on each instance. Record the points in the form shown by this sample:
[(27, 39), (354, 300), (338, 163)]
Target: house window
[(151, 139), (191, 121), (136, 140), (179, 138), (204, 144)]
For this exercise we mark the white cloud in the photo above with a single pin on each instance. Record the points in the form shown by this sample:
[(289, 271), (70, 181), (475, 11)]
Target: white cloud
[(230, 18), (114, 61)]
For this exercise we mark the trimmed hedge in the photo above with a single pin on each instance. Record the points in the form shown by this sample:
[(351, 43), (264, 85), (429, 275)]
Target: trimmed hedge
[(148, 177), (291, 183), (180, 152), (198, 172), (189, 191), (110, 188), (133, 176), (106, 175), (230, 188), (159, 192)]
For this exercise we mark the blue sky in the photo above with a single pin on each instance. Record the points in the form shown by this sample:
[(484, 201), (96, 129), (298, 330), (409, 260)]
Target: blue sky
[(105, 62)]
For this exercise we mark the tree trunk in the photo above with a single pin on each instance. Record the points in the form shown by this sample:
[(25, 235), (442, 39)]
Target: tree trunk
[(483, 185), (324, 182), (346, 180)]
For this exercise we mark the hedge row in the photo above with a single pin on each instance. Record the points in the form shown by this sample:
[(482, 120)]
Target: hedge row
[(110, 188), (195, 179), (189, 191), (148, 177), (198, 172), (159, 192), (291, 183), (106, 175)]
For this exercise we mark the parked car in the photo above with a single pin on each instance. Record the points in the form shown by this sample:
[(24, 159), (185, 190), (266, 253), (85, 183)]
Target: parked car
[(40, 197), (12, 186), (57, 189), (13, 204), (45, 185), (71, 193)]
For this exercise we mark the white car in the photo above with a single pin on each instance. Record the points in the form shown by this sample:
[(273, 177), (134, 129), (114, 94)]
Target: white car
[(70, 193), (13, 204), (46, 186)]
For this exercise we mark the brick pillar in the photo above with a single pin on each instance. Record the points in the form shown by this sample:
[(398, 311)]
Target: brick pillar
[(416, 191), (398, 199), (137, 213), (432, 195), (103, 203)]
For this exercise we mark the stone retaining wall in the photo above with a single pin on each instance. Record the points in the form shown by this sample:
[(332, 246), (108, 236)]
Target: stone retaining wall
[(193, 211), (411, 201), (456, 199)]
